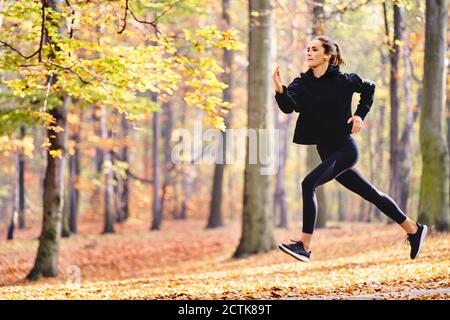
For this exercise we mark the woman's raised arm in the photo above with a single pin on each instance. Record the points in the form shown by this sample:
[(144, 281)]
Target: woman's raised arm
[(286, 96)]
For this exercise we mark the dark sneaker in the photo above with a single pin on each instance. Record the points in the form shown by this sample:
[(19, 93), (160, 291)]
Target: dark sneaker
[(295, 249), (416, 240)]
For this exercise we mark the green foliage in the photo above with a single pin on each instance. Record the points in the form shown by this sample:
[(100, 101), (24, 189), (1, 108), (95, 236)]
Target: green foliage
[(11, 119)]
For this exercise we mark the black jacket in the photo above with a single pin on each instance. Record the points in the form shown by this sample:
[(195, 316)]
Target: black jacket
[(324, 104)]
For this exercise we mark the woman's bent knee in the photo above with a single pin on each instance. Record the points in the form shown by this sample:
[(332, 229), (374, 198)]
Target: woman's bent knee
[(308, 184)]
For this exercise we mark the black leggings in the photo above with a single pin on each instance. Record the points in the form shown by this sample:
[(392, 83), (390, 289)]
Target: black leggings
[(338, 159)]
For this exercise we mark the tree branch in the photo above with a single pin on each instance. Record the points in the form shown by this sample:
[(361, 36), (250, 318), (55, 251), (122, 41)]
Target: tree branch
[(4, 44), (386, 25), (146, 22), (347, 7), (72, 21), (152, 23), (41, 41), (67, 69), (131, 174), (170, 7), (124, 18)]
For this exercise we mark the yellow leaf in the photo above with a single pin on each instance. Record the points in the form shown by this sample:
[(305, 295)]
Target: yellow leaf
[(56, 153)]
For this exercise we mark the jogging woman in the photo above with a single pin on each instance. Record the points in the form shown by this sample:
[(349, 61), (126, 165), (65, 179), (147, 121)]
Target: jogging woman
[(322, 96)]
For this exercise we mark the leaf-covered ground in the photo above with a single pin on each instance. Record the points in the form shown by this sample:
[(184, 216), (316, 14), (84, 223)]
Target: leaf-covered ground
[(185, 261)]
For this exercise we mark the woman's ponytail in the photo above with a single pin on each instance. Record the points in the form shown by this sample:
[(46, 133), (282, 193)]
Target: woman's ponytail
[(337, 59)]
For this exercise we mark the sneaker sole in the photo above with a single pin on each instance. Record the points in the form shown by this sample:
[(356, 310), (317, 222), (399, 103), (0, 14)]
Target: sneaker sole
[(422, 238), (293, 254)]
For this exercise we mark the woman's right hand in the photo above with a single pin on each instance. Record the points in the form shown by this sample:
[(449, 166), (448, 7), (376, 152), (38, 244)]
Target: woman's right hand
[(277, 80)]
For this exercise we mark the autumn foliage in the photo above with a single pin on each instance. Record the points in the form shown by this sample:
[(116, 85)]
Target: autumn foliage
[(185, 261)]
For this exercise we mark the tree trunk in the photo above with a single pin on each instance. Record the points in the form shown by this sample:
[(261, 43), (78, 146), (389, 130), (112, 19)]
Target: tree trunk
[(372, 160), (124, 182), (74, 193), (380, 129), (405, 152), (169, 167), (188, 180), (65, 231), (434, 188), (394, 76), (380, 159), (157, 217), (280, 191), (362, 211), (98, 159), (448, 101), (341, 207), (280, 206), (188, 186), (215, 214), (184, 175), (108, 226), (121, 183), (22, 183), (15, 200), (257, 224), (46, 263)]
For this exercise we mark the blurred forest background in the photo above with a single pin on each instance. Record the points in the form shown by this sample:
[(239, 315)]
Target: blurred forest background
[(91, 92)]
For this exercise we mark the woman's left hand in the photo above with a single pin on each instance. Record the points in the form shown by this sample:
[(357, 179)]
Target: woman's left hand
[(357, 123)]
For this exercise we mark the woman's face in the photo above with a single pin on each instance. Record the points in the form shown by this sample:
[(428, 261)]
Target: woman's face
[(315, 54)]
